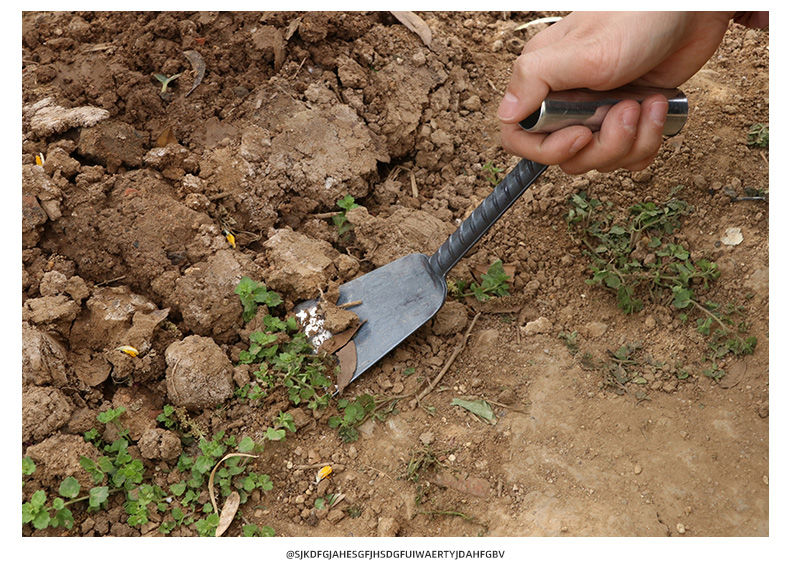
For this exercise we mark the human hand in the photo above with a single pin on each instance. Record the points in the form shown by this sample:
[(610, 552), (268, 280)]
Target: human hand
[(602, 51)]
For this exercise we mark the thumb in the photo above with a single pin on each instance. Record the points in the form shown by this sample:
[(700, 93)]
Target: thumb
[(551, 68)]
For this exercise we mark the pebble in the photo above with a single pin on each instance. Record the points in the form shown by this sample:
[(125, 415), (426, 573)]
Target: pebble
[(427, 438), (595, 329), (335, 516), (650, 322), (540, 325), (637, 469), (699, 181), (681, 528), (716, 186), (643, 176)]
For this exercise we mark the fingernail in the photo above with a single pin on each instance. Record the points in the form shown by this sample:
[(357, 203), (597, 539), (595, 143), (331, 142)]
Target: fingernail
[(509, 106), (629, 119), (580, 142), (658, 113)]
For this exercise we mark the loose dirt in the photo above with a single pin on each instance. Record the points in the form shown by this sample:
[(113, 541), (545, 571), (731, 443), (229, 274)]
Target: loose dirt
[(125, 243)]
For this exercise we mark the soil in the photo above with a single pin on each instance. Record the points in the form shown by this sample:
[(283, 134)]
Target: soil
[(124, 243)]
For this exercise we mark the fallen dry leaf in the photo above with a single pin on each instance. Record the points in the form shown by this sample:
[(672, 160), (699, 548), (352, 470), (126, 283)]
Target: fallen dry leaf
[(228, 512), (292, 26), (339, 340), (166, 138), (347, 356), (199, 65), (415, 24)]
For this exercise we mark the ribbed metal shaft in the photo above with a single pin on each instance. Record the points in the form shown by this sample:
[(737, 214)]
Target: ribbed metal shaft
[(484, 216)]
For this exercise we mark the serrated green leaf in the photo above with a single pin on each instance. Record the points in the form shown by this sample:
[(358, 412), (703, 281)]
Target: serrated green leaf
[(246, 445), (70, 487), (38, 499), (28, 466), (98, 495)]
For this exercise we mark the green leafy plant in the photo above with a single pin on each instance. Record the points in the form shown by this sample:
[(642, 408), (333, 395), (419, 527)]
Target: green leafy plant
[(354, 413), (285, 359), (571, 340), (340, 221), (256, 531), (492, 173), (116, 471), (28, 466), (110, 416), (252, 293), (56, 514), (637, 257), (493, 283), (757, 135), (164, 80)]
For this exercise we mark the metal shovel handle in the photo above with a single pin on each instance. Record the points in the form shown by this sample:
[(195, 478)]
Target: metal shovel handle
[(576, 107)]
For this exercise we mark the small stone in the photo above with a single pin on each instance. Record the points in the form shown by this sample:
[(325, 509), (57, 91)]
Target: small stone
[(762, 410), (595, 329), (716, 186), (427, 438), (681, 528), (451, 319), (388, 527), (643, 176), (538, 326), (699, 181), (650, 322), (637, 469), (335, 516)]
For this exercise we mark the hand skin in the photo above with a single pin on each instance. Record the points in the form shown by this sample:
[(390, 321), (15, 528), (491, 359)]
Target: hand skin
[(602, 51)]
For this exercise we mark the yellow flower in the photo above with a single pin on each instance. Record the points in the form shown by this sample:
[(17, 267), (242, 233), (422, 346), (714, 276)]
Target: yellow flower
[(128, 350), (323, 473)]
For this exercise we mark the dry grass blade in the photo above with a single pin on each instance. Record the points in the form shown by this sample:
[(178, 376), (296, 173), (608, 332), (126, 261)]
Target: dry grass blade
[(211, 476), (537, 21), (450, 361), (228, 512), (415, 24)]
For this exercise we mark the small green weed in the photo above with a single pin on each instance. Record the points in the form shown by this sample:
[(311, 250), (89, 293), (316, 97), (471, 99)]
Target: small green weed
[(256, 531), (637, 257), (354, 413), (757, 135), (492, 172), (252, 293), (571, 341), (493, 283), (164, 80), (340, 221), (116, 471), (421, 460), (285, 358)]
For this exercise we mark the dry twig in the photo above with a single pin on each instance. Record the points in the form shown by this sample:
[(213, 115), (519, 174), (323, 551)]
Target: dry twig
[(450, 361)]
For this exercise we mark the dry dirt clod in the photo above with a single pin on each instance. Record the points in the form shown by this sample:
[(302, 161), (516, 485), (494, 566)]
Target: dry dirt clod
[(539, 326), (199, 374)]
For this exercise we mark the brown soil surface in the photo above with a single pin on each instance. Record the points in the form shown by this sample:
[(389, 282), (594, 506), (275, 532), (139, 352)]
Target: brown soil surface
[(123, 244)]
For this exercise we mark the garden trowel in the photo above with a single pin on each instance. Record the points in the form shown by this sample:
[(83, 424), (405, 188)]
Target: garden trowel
[(395, 300)]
